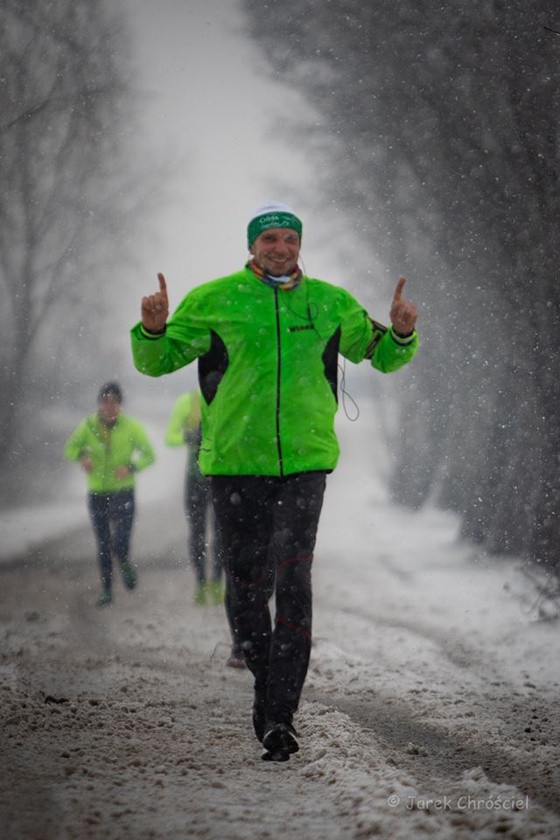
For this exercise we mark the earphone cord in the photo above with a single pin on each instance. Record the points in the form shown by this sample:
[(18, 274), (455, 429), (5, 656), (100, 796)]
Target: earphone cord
[(346, 395)]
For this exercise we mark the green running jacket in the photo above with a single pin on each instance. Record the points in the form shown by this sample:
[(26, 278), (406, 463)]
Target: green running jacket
[(267, 366), (125, 444)]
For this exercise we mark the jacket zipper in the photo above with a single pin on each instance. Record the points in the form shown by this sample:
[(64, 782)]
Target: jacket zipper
[(278, 371), (106, 458)]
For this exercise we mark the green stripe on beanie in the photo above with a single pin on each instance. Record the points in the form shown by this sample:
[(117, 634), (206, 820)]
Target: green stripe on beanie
[(272, 216)]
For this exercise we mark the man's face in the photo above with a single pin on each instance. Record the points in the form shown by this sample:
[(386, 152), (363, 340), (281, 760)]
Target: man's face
[(276, 251), (109, 409)]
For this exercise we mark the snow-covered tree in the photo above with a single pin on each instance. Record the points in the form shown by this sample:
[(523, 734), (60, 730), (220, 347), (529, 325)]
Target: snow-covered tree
[(440, 127), (62, 109)]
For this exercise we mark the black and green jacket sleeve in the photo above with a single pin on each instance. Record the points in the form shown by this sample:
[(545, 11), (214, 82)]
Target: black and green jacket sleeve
[(267, 364)]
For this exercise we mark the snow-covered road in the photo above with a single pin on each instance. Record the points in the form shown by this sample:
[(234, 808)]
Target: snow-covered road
[(430, 707)]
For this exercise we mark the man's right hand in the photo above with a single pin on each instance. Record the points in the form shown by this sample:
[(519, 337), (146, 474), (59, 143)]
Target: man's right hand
[(155, 308)]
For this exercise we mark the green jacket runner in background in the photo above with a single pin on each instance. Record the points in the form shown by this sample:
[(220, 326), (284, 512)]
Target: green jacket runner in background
[(183, 428), (268, 362), (126, 443)]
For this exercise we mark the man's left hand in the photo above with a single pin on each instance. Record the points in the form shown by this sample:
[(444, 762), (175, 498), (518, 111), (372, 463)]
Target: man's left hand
[(123, 471), (403, 312)]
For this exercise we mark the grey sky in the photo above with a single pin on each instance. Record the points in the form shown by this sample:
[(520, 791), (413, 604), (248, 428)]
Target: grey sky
[(209, 107)]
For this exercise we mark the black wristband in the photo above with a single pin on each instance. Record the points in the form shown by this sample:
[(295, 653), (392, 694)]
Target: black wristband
[(149, 334)]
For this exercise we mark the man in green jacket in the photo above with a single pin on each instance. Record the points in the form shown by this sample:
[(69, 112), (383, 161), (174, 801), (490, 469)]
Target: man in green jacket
[(111, 448), (267, 340)]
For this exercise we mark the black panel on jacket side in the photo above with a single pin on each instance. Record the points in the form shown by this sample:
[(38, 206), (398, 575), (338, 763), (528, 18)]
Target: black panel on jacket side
[(211, 367), (330, 362)]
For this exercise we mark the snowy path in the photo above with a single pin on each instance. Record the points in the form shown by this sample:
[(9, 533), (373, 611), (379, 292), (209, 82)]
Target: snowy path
[(430, 707)]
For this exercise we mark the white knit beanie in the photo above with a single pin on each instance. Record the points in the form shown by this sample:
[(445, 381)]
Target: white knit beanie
[(273, 214)]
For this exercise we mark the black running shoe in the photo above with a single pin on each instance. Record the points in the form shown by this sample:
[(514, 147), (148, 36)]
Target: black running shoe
[(279, 742), (279, 756)]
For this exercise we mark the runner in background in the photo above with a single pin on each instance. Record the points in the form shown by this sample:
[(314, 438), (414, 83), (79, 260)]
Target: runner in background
[(111, 448), (184, 428)]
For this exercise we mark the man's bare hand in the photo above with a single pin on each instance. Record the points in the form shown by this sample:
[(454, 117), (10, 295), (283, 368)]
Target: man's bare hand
[(86, 463), (123, 471), (403, 312), (155, 308)]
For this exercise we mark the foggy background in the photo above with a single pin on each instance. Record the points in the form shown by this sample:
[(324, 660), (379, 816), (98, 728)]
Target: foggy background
[(412, 138)]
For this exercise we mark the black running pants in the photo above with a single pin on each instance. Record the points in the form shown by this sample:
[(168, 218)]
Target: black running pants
[(200, 521), (112, 517), (268, 528)]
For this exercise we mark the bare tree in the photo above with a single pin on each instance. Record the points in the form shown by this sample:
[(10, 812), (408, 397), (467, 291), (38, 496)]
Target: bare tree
[(63, 95)]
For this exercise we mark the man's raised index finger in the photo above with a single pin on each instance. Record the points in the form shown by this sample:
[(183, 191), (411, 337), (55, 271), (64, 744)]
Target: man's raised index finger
[(400, 287), (162, 284)]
